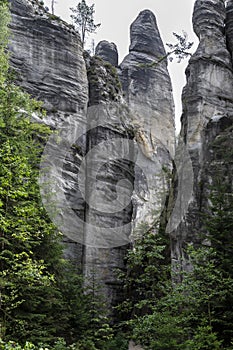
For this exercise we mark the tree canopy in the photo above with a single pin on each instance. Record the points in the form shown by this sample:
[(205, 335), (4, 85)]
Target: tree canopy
[(83, 17)]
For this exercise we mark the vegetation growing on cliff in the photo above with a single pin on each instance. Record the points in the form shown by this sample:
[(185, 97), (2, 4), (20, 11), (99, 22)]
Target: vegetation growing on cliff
[(35, 286), (83, 17), (42, 298), (197, 312)]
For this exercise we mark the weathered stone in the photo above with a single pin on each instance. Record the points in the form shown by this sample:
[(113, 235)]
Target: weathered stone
[(148, 92), (207, 97), (145, 36), (108, 226), (48, 59), (47, 54), (229, 25), (131, 133), (108, 52)]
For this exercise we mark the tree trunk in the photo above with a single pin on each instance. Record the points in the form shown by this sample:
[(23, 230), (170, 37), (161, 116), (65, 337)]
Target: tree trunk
[(52, 6)]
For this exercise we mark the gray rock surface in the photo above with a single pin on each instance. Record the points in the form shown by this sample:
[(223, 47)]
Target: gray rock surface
[(148, 92), (108, 52), (207, 98), (137, 124), (145, 36), (108, 228), (229, 25), (46, 54)]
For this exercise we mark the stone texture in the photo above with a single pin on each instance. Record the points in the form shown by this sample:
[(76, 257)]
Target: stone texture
[(108, 52), (148, 92), (131, 132), (108, 229), (46, 54), (207, 98), (218, 155), (145, 36), (229, 25)]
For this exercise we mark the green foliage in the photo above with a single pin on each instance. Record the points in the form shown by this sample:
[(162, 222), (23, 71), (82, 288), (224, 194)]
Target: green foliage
[(26, 284), (204, 339), (83, 18), (197, 312), (43, 304), (183, 317), (218, 221), (54, 17), (99, 331), (147, 273), (41, 296), (119, 342)]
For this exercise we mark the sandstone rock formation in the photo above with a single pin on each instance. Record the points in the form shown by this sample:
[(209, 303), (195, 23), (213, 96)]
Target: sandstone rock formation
[(109, 145), (121, 121), (144, 115), (229, 25), (207, 105), (46, 54), (130, 133), (108, 52), (148, 93)]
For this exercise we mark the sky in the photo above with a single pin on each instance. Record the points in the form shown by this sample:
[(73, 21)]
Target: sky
[(116, 16)]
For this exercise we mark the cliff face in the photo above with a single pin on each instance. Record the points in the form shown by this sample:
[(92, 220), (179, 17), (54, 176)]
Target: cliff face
[(116, 134), (148, 93), (207, 112), (141, 121), (47, 57), (116, 129), (109, 177), (47, 54)]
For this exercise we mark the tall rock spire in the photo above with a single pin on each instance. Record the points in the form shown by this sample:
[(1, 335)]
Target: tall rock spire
[(145, 36), (148, 91), (207, 105)]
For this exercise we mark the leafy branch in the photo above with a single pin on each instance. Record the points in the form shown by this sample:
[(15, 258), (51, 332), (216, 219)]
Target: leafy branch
[(180, 50)]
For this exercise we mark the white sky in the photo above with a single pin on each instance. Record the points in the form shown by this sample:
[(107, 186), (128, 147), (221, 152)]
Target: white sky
[(116, 16)]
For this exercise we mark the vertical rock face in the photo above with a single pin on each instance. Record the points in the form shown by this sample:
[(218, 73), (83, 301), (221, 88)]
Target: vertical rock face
[(47, 54), (47, 57), (125, 139), (218, 155), (207, 102), (148, 92), (108, 175), (143, 124), (229, 25)]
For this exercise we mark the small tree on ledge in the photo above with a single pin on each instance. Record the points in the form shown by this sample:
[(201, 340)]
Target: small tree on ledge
[(83, 19)]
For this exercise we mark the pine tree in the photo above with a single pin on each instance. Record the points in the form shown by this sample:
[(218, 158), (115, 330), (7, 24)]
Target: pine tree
[(84, 19), (219, 226)]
